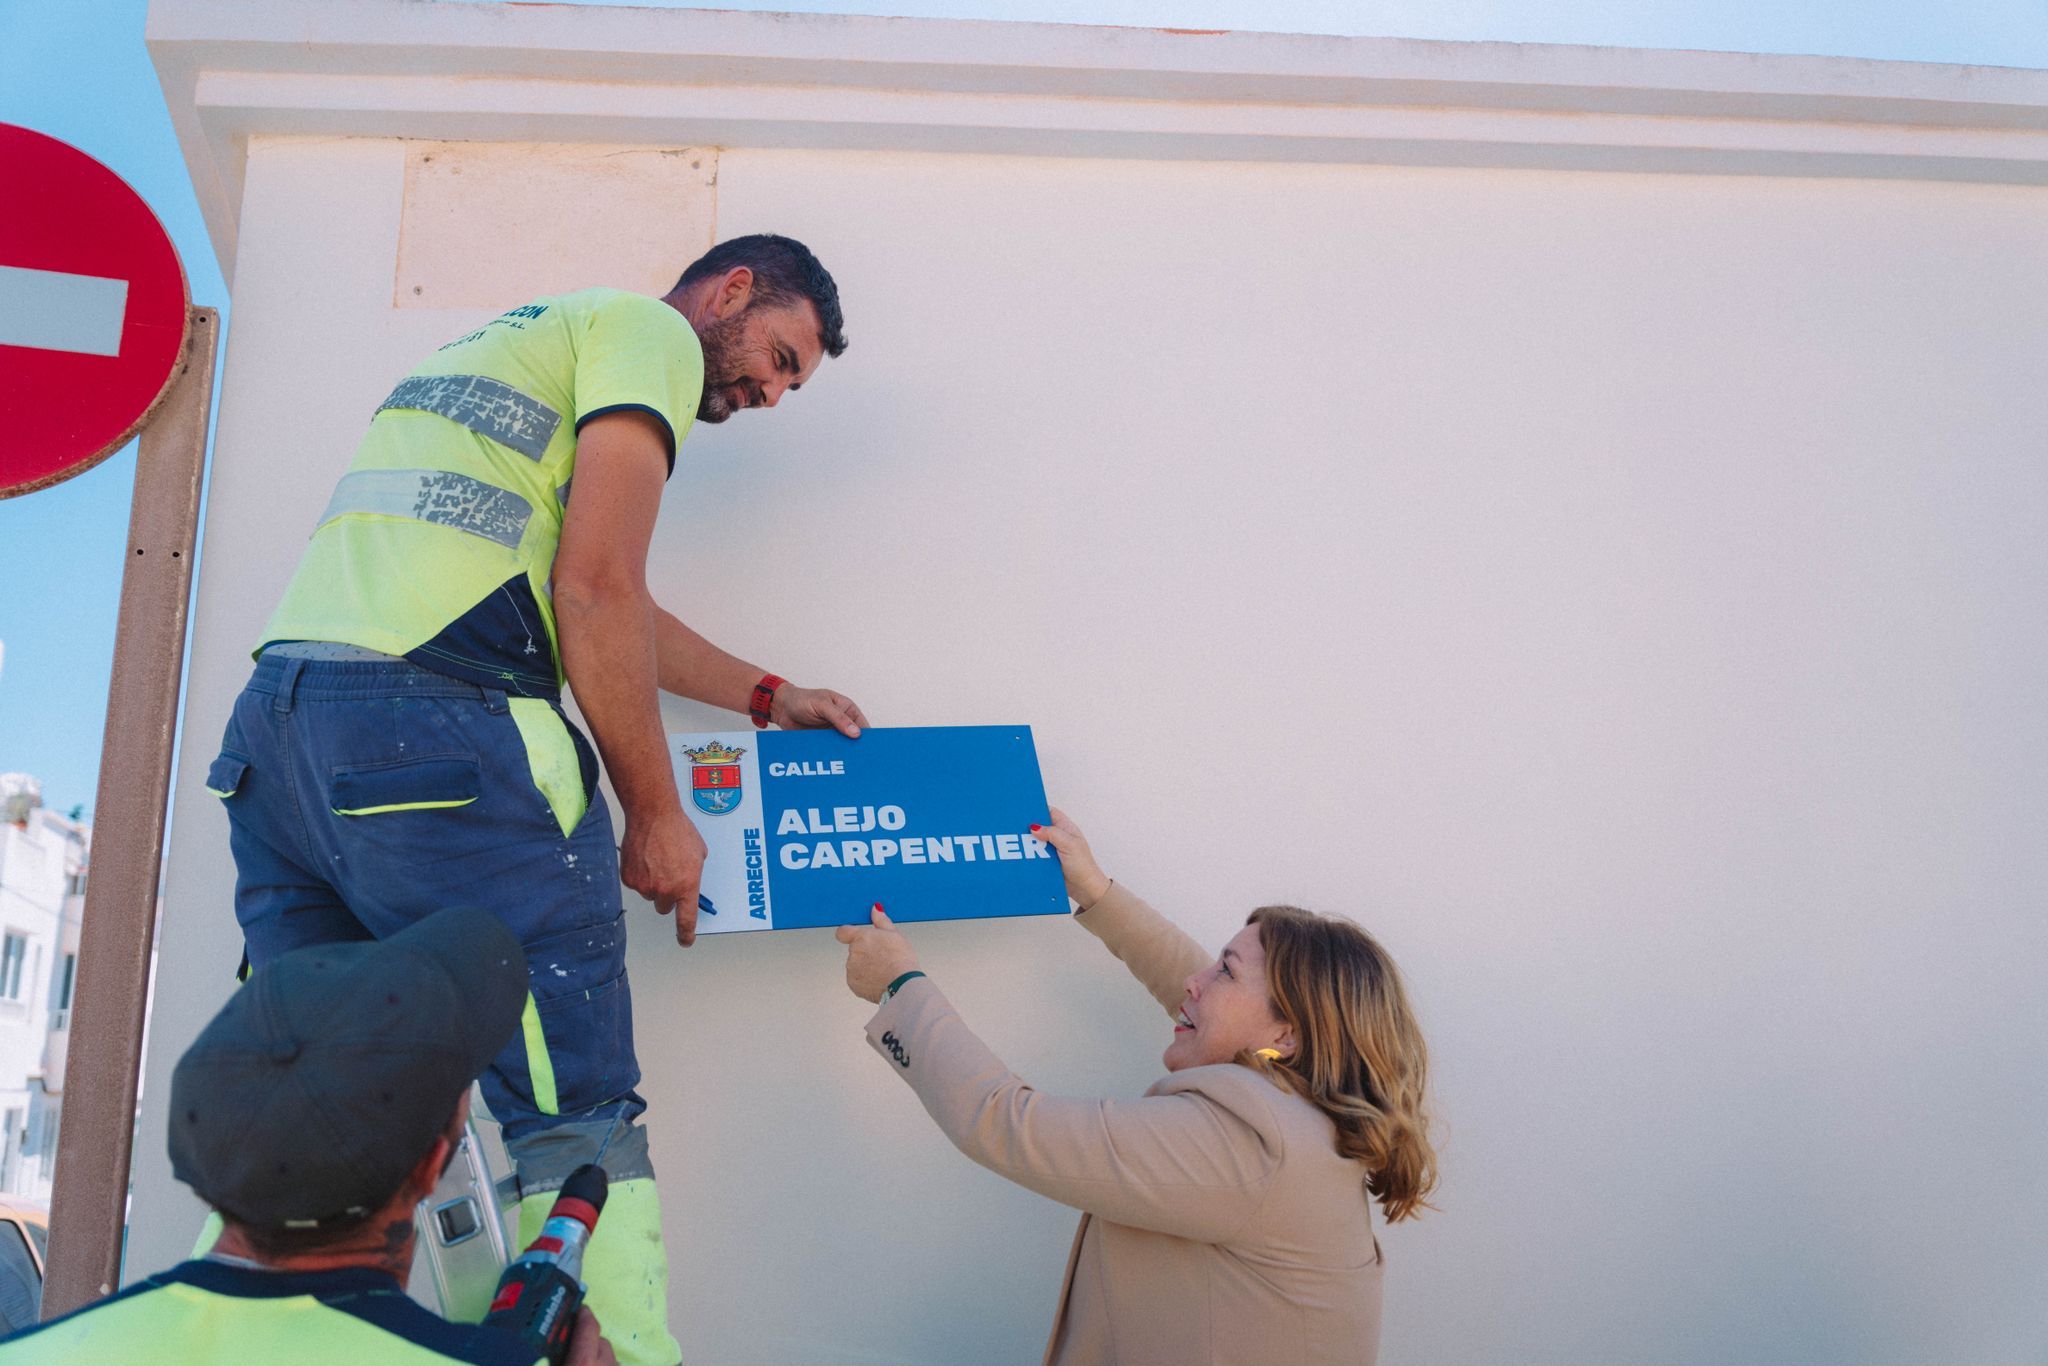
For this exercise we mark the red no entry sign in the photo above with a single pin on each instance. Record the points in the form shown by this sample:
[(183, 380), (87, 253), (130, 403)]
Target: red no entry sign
[(93, 311)]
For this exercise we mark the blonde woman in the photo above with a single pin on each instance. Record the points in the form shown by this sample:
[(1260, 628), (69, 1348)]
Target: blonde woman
[(1226, 1215)]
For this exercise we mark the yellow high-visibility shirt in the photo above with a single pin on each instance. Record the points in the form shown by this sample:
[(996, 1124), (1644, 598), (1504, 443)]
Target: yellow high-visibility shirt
[(439, 542), (210, 1314)]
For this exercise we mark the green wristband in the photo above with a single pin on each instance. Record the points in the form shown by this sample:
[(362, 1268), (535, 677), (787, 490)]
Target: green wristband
[(897, 985)]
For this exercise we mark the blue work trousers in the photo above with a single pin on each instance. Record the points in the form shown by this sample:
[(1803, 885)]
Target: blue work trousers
[(364, 794)]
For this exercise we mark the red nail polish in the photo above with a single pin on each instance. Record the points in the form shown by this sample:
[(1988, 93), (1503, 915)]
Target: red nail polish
[(878, 905), (1036, 828)]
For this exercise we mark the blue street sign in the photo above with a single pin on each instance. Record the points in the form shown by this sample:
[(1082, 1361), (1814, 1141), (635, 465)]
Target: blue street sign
[(808, 828)]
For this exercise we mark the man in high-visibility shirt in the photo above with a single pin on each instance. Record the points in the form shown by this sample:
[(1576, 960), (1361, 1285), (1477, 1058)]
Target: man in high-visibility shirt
[(315, 1112), (402, 742)]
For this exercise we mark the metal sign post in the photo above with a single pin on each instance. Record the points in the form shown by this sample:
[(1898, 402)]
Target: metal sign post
[(89, 1204)]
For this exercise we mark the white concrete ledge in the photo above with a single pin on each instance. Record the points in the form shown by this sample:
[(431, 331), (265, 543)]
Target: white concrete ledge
[(457, 71)]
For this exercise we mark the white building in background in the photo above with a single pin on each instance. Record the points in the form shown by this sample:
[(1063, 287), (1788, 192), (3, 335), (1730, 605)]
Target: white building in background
[(43, 861)]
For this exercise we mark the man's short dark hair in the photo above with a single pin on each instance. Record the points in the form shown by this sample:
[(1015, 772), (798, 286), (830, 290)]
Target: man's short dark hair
[(784, 271)]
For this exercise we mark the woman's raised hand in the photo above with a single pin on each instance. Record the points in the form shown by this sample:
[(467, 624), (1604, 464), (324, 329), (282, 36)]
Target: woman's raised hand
[(876, 954), (1086, 882)]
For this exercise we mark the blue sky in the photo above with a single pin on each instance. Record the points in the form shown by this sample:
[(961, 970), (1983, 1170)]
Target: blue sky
[(77, 70)]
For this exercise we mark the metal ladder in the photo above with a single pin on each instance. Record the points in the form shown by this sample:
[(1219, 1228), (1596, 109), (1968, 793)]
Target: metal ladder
[(462, 1246)]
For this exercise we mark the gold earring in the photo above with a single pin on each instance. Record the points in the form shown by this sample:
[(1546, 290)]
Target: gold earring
[(1269, 1054)]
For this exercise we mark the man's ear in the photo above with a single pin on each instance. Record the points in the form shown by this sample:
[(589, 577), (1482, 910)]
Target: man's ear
[(735, 291), (427, 1172)]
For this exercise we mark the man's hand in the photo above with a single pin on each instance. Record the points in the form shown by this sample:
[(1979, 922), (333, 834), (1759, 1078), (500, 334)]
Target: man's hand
[(1086, 882), (876, 955), (663, 860), (587, 1346), (797, 708)]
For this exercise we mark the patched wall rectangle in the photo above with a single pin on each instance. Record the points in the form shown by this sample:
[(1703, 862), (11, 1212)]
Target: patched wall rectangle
[(492, 225)]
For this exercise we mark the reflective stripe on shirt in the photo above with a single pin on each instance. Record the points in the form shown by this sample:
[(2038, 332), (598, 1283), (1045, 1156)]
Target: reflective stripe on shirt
[(438, 496), (489, 407)]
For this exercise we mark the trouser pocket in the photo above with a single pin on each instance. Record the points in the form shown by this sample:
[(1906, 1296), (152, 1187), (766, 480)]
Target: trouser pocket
[(553, 758), (584, 1011), (224, 778), (434, 782)]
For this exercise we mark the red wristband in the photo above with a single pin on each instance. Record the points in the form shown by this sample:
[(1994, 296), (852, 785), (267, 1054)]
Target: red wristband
[(763, 699)]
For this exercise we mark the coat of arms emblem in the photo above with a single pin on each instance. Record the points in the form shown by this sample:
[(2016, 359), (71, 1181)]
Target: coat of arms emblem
[(715, 778)]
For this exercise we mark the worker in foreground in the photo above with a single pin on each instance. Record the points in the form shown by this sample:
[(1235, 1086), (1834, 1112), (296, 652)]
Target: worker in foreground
[(315, 1111), (402, 746)]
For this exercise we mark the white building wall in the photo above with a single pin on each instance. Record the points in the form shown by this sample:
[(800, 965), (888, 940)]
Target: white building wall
[(40, 866), (1619, 591)]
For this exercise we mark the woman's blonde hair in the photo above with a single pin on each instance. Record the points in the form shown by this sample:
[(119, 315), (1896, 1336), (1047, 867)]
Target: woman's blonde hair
[(1359, 1055)]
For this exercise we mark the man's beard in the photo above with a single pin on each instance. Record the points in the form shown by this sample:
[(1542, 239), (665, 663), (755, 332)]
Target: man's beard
[(719, 339)]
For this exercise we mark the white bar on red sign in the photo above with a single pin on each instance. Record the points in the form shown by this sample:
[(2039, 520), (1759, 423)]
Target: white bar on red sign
[(53, 310)]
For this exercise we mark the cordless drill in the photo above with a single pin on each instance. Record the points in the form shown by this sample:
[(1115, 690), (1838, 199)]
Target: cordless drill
[(541, 1290)]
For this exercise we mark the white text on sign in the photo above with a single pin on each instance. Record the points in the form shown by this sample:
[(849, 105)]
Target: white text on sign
[(808, 768), (880, 852)]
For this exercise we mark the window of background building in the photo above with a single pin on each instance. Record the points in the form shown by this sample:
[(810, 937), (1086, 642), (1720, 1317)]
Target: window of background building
[(13, 954), (64, 977), (10, 1150)]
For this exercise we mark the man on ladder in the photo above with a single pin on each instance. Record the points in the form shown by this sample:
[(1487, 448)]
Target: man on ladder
[(402, 745)]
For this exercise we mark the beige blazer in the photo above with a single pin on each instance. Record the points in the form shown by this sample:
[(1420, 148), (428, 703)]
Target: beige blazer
[(1218, 1225)]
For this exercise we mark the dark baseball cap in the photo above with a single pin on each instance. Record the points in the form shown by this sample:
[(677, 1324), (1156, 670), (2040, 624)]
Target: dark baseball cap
[(322, 1083)]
